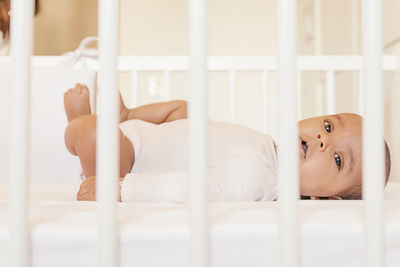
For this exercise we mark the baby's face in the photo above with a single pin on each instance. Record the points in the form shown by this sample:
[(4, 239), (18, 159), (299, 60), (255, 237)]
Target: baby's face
[(330, 154)]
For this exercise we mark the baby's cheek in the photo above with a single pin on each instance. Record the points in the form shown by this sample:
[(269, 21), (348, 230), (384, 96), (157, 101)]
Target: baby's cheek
[(307, 186), (305, 169), (310, 175)]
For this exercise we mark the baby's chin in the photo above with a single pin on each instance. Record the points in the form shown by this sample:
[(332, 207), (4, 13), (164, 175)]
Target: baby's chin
[(305, 190)]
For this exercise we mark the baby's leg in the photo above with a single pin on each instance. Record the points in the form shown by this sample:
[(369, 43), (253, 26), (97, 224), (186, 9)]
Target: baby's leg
[(80, 140), (80, 134)]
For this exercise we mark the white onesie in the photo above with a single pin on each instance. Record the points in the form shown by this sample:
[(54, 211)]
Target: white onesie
[(242, 163)]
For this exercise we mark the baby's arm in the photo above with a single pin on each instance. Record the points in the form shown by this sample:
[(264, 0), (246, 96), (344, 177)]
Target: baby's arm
[(160, 112)]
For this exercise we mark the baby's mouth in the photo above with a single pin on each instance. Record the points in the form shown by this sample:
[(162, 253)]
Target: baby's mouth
[(305, 147)]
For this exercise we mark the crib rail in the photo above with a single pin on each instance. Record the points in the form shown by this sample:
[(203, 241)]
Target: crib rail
[(199, 248), (107, 145), (373, 144), (21, 27), (328, 65), (223, 63), (288, 172)]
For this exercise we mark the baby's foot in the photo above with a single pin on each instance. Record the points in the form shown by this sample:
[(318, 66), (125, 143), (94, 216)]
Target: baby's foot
[(77, 102)]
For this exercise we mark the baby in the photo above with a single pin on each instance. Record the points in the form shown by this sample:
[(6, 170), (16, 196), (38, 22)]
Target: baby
[(242, 162)]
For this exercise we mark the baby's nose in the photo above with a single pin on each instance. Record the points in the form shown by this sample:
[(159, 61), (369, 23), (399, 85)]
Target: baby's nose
[(322, 142)]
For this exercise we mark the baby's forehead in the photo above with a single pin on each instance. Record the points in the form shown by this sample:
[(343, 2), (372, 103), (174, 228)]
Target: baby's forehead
[(348, 117), (348, 122)]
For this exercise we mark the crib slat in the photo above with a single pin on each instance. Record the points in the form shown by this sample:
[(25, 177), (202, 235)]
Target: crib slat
[(134, 88), (373, 146), (361, 92), (107, 170), (330, 91), (232, 95), (318, 98), (299, 94), (198, 133), (21, 51), (265, 102), (288, 135), (317, 28), (167, 85)]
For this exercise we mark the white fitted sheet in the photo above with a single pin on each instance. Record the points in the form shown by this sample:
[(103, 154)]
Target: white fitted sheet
[(242, 234)]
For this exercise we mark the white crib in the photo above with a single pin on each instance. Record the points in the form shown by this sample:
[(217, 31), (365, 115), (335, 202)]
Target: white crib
[(250, 228), (331, 233)]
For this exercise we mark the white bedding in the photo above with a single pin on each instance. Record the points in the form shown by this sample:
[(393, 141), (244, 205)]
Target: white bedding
[(242, 234)]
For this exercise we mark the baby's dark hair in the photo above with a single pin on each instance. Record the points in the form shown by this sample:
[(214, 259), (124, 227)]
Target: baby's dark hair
[(355, 192)]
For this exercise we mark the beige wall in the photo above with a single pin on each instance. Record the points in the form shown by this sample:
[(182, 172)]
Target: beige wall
[(62, 24), (159, 27)]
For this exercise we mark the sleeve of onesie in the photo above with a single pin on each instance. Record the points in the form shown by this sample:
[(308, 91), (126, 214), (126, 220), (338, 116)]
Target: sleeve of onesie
[(172, 187)]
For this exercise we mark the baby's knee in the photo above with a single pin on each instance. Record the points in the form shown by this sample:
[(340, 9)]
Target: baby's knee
[(81, 130)]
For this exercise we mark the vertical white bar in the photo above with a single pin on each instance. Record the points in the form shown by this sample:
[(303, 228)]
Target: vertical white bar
[(355, 44), (265, 102), (198, 133), (317, 28), (21, 51), (167, 85), (318, 51), (232, 95), (289, 255), (361, 92), (319, 100), (108, 133), (373, 145), (134, 88), (395, 109), (355, 47), (330, 91), (299, 94)]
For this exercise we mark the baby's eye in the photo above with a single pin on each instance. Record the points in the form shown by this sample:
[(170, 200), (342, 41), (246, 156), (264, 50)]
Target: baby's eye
[(327, 126), (338, 161)]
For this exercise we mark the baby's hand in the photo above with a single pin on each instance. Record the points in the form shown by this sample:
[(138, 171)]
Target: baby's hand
[(87, 191)]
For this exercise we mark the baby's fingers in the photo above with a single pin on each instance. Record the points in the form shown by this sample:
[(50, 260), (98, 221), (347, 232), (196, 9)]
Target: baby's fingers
[(87, 190), (87, 196)]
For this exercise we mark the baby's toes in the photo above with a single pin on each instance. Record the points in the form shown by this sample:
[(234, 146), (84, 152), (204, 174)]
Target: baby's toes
[(68, 93), (78, 88), (85, 90)]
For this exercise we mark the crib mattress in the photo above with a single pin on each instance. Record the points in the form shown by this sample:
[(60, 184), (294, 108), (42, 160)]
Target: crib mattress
[(64, 231)]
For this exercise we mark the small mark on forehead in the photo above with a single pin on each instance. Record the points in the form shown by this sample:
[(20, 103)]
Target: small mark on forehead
[(351, 159)]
